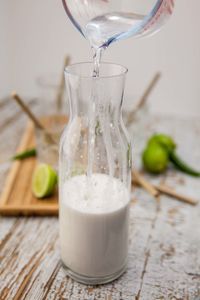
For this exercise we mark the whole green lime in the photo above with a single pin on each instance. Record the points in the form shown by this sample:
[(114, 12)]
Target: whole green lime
[(164, 140), (155, 158)]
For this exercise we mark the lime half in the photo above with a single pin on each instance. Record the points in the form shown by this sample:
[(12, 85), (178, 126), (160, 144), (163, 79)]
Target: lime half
[(44, 181)]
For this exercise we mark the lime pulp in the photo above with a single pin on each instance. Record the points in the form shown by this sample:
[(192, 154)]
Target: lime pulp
[(44, 181)]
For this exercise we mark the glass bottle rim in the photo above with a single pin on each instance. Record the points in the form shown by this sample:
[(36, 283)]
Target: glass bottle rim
[(70, 70)]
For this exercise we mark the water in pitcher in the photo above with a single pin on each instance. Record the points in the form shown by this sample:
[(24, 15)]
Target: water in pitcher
[(104, 30), (103, 22)]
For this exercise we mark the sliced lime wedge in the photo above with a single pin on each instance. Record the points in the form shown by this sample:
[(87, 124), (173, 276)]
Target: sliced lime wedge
[(44, 181)]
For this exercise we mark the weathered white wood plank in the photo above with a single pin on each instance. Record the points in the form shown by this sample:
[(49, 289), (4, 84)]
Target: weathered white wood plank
[(30, 243), (174, 266)]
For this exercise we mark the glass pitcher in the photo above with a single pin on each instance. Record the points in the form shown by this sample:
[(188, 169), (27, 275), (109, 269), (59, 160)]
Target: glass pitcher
[(105, 21), (95, 175)]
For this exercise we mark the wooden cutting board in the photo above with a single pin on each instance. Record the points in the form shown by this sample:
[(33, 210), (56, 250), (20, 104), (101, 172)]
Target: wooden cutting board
[(17, 198)]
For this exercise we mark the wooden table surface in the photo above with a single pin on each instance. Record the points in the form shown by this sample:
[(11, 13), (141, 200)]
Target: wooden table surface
[(164, 250)]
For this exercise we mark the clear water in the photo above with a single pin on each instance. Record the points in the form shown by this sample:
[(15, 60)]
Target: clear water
[(98, 51), (103, 30)]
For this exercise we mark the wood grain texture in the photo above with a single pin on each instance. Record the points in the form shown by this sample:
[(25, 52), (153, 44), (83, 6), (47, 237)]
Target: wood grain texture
[(17, 197), (164, 250)]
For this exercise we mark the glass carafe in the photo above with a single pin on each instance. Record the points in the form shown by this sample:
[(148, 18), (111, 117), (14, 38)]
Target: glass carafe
[(94, 175)]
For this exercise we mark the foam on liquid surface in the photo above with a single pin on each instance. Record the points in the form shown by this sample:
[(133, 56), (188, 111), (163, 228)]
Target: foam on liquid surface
[(98, 193)]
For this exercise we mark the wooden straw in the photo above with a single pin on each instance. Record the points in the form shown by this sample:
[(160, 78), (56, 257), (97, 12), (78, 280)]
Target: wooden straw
[(139, 179), (155, 190), (61, 86), (170, 192), (144, 97), (30, 114), (26, 109), (15, 210)]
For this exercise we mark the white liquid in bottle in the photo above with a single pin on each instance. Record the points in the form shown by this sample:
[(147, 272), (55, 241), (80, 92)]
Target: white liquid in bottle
[(94, 225)]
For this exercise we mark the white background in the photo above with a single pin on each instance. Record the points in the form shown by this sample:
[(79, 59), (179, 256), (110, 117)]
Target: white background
[(35, 36)]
